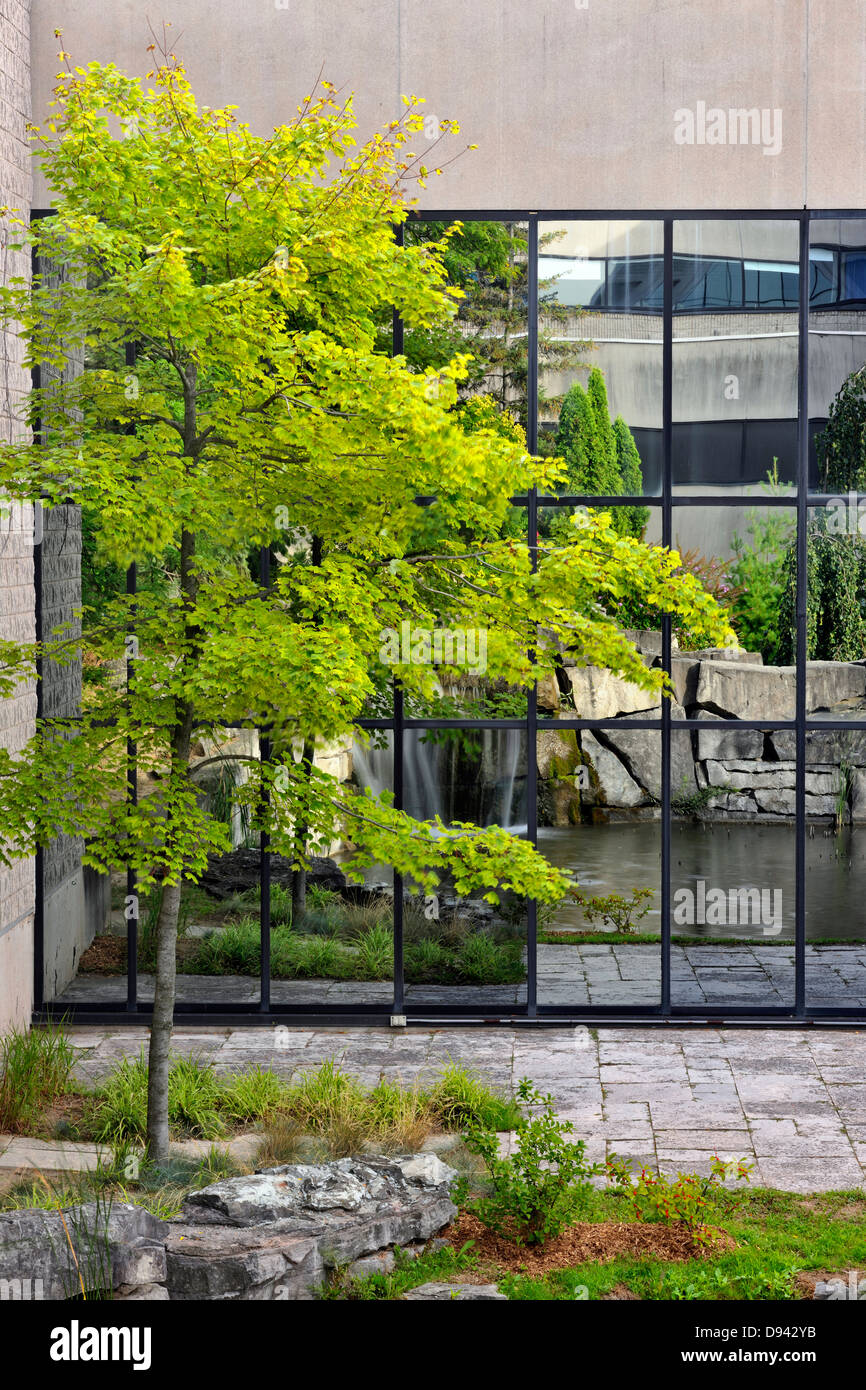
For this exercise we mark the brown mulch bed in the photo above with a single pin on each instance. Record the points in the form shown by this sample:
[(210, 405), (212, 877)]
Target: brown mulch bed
[(806, 1280), (586, 1242), (106, 955)]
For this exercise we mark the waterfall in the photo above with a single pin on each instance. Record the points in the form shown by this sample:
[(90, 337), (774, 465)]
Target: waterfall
[(479, 783)]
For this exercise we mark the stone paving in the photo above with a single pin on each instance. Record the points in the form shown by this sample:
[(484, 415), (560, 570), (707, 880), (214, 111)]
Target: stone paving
[(792, 1101), (751, 974)]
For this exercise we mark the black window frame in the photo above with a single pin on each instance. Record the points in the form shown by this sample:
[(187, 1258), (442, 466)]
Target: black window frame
[(267, 1012)]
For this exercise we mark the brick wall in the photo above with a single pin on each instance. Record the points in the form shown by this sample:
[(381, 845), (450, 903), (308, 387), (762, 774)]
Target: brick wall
[(16, 524)]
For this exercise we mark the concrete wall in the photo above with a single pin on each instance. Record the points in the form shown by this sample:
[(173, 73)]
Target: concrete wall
[(572, 102), (16, 521)]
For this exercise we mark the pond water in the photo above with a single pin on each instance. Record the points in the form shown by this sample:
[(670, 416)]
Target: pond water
[(615, 858)]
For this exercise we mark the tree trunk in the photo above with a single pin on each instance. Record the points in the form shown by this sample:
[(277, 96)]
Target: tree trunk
[(169, 912), (299, 874), (160, 1028)]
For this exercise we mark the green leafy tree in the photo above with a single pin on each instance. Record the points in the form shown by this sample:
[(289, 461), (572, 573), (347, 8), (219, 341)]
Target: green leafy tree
[(487, 271), (601, 457), (253, 274), (836, 605), (604, 476), (841, 446), (631, 477), (759, 575)]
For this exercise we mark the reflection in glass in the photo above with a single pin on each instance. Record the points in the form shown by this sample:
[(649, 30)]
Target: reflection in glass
[(836, 868), (600, 354), (598, 796), (735, 356), (732, 868)]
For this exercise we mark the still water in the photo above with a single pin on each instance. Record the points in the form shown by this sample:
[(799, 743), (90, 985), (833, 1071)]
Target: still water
[(615, 858)]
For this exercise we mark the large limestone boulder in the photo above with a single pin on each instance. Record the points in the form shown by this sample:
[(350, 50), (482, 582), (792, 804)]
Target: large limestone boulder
[(736, 690), (686, 668), (611, 784), (640, 751), (828, 748), (275, 1234), (599, 694), (122, 1250), (728, 743), (832, 683)]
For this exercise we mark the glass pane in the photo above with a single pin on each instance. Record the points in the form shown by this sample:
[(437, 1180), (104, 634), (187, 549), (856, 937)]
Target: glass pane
[(835, 869), (218, 947), (588, 692), (598, 795), (735, 361), (837, 352), (836, 608), (463, 950), (488, 263), (732, 869), (746, 557), (600, 354)]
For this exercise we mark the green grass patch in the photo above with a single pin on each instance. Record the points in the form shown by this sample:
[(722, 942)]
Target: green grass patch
[(364, 952), (439, 1266), (35, 1070)]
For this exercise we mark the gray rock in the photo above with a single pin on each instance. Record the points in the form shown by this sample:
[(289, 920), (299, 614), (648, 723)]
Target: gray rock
[(426, 1169), (858, 795), (259, 1263), (728, 743), (839, 1290), (122, 1247), (830, 683), (274, 1234), (736, 654), (445, 1293), (736, 690), (599, 694), (640, 751), (615, 787), (684, 675), (733, 802), (141, 1293), (743, 776), (647, 640), (385, 1260)]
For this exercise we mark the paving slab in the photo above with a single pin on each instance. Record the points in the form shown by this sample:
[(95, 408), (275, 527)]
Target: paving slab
[(792, 1103)]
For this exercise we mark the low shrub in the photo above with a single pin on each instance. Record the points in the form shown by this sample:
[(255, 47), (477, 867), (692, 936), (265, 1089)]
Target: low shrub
[(540, 1188), (615, 911), (688, 1198)]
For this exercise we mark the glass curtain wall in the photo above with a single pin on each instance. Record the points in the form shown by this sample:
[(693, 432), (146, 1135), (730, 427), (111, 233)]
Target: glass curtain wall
[(703, 380)]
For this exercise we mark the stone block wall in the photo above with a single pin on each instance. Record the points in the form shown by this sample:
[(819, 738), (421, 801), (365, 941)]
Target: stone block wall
[(17, 619), (732, 774)]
